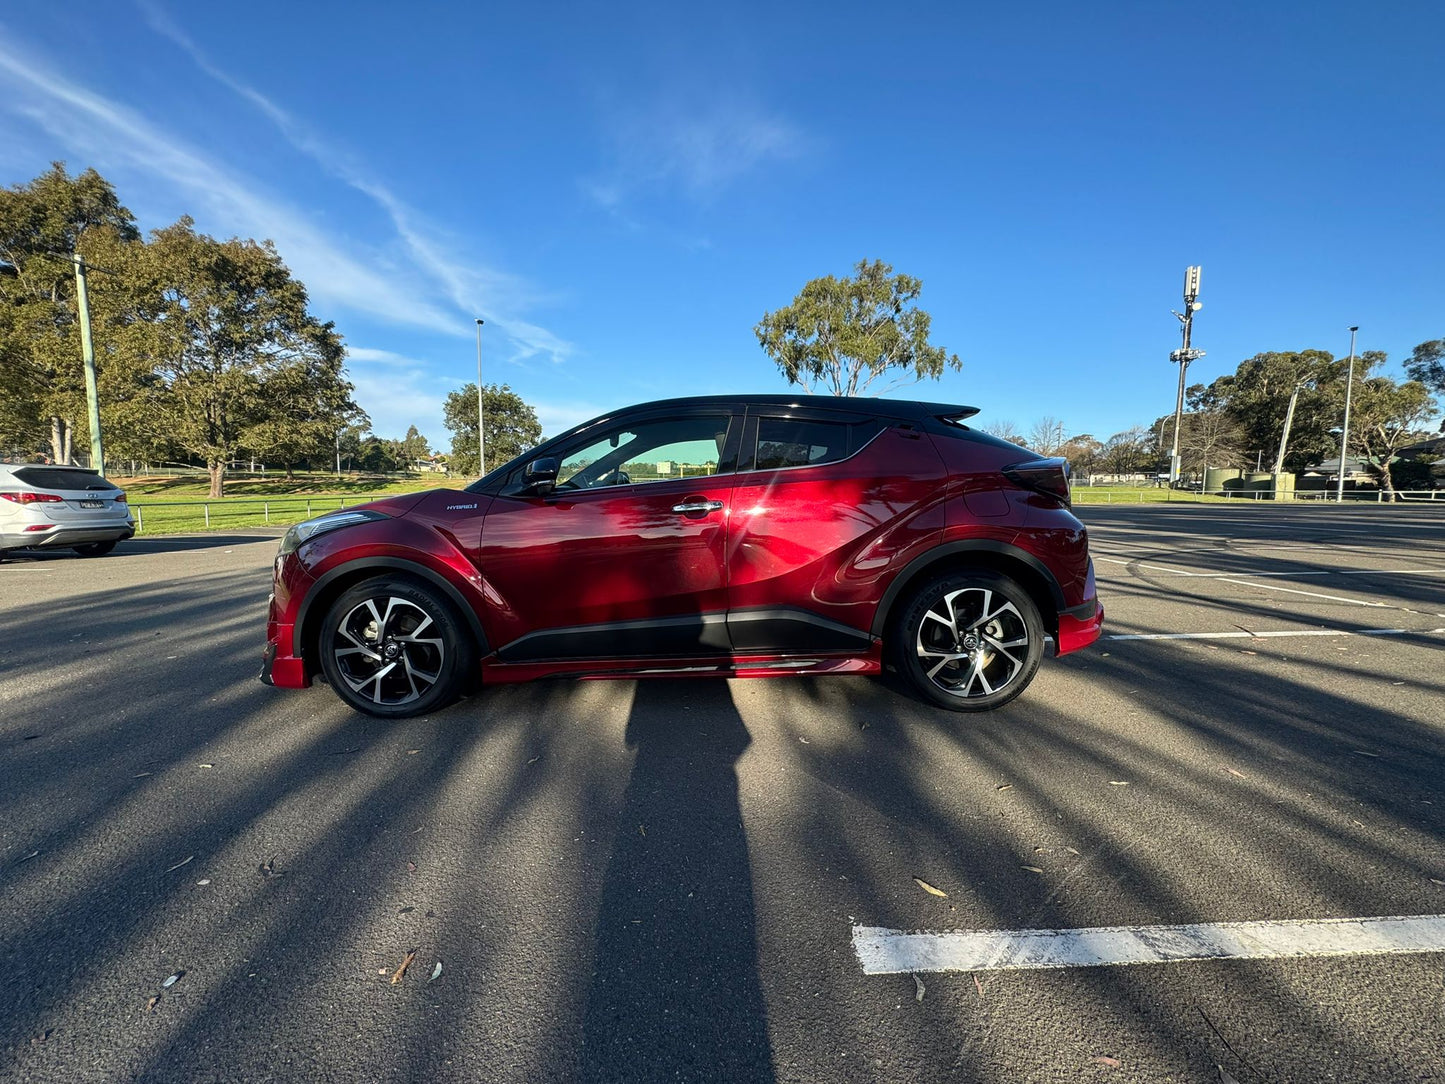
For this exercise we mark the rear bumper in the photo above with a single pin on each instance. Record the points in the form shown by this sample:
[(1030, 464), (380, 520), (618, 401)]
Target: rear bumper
[(59, 537), (1080, 627)]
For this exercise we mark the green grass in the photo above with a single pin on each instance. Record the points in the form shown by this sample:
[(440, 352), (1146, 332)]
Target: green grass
[(180, 505)]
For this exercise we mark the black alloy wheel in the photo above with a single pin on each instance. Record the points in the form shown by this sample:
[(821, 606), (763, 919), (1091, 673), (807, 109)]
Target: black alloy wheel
[(969, 641), (394, 647)]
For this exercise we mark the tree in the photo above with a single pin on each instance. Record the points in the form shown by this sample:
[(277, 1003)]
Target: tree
[(1082, 452), (512, 426), (1127, 452), (1427, 365), (1047, 436), (1385, 417), (42, 222), (223, 320), (1257, 395), (847, 333), (1004, 430), (414, 447), (307, 402)]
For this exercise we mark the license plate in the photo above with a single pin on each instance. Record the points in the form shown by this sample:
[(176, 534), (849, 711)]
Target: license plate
[(92, 504)]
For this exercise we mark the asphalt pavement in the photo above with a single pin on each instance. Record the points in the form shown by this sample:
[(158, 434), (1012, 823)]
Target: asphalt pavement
[(661, 880)]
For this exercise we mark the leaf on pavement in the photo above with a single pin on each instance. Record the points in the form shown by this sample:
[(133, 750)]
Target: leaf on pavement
[(207, 765), (172, 980), (1006, 786), (1362, 753), (1032, 869), (1224, 1076), (1233, 771), (155, 1000), (268, 867), (405, 963), (436, 972), (921, 988), (1118, 783), (1104, 1059), (411, 867), (921, 883), (181, 863), (1436, 881)]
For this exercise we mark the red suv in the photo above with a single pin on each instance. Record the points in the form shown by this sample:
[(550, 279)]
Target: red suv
[(744, 536)]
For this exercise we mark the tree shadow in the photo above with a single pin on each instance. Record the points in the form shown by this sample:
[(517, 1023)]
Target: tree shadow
[(675, 993)]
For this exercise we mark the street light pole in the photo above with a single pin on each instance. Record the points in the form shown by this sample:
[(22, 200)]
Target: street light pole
[(481, 425), (1288, 421), (1183, 356), (87, 355), (1345, 430)]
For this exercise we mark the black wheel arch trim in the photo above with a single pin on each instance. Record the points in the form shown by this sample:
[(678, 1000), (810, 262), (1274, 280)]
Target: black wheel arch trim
[(388, 564), (923, 561)]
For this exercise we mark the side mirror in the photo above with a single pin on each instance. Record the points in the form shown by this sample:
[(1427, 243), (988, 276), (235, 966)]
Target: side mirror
[(539, 477)]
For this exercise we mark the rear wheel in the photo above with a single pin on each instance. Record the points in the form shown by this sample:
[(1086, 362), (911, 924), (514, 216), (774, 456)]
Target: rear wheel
[(969, 641), (95, 549), (393, 647)]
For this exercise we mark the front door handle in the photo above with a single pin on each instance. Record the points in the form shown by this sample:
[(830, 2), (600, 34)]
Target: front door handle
[(696, 507)]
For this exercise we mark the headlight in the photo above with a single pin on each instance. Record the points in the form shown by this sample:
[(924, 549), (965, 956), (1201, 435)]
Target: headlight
[(309, 529)]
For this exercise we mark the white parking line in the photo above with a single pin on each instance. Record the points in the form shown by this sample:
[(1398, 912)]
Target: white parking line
[(1297, 572), (1270, 634), (1297, 591), (892, 952)]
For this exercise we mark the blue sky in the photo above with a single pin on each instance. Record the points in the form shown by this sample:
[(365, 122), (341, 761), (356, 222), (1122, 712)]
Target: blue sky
[(623, 190)]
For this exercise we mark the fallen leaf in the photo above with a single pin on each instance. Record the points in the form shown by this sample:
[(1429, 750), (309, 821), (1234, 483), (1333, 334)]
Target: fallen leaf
[(204, 881), (1436, 881), (207, 765), (30, 737), (1231, 771), (1249, 652), (979, 985), (405, 910), (405, 963), (805, 741), (27, 858), (41, 1037), (181, 863), (155, 1000), (1118, 783), (642, 830), (412, 752), (1072, 851), (533, 761), (436, 972), (921, 988), (1104, 1059), (863, 726), (172, 980), (411, 867), (1006, 786), (929, 888), (1032, 869), (1361, 752), (140, 775), (268, 867), (1224, 1077), (382, 971)]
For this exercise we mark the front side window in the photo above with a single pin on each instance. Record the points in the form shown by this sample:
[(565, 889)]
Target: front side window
[(651, 451)]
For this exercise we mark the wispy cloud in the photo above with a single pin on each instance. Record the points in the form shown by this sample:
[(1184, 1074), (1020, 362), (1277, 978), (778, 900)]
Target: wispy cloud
[(108, 133), (471, 288), (699, 152)]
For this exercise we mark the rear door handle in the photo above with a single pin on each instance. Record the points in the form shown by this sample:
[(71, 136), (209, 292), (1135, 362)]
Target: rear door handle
[(693, 507)]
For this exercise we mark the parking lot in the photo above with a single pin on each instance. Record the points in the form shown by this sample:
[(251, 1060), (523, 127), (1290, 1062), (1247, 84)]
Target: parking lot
[(664, 880)]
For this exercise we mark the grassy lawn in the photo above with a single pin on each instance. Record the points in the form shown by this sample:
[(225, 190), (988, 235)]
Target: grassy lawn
[(180, 505)]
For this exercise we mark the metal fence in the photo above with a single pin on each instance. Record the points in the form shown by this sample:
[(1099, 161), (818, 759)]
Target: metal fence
[(1107, 495), (239, 511)]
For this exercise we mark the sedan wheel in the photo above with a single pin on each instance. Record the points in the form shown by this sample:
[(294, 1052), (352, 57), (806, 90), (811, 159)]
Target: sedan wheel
[(392, 647), (970, 641)]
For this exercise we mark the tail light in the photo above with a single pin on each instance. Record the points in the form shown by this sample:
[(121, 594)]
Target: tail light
[(1047, 476), (32, 498), (120, 497)]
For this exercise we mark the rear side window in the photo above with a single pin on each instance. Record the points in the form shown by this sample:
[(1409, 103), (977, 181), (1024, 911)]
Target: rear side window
[(61, 478), (796, 442)]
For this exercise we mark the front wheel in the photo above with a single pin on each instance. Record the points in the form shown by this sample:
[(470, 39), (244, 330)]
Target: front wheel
[(394, 648), (969, 641)]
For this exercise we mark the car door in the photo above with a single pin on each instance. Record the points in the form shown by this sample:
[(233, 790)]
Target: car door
[(627, 557), (823, 502)]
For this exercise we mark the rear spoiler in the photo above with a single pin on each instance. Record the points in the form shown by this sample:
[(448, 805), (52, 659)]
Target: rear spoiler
[(1047, 476)]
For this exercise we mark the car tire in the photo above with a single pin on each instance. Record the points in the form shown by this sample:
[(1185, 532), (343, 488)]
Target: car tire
[(94, 549), (969, 641), (393, 647)]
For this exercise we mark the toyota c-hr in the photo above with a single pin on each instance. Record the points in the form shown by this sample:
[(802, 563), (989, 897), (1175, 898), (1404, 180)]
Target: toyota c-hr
[(732, 536)]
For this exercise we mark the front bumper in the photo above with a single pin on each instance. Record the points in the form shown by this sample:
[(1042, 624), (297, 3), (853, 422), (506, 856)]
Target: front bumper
[(280, 666)]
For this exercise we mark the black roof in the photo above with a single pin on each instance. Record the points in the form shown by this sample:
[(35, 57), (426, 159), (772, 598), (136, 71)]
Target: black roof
[(855, 404)]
